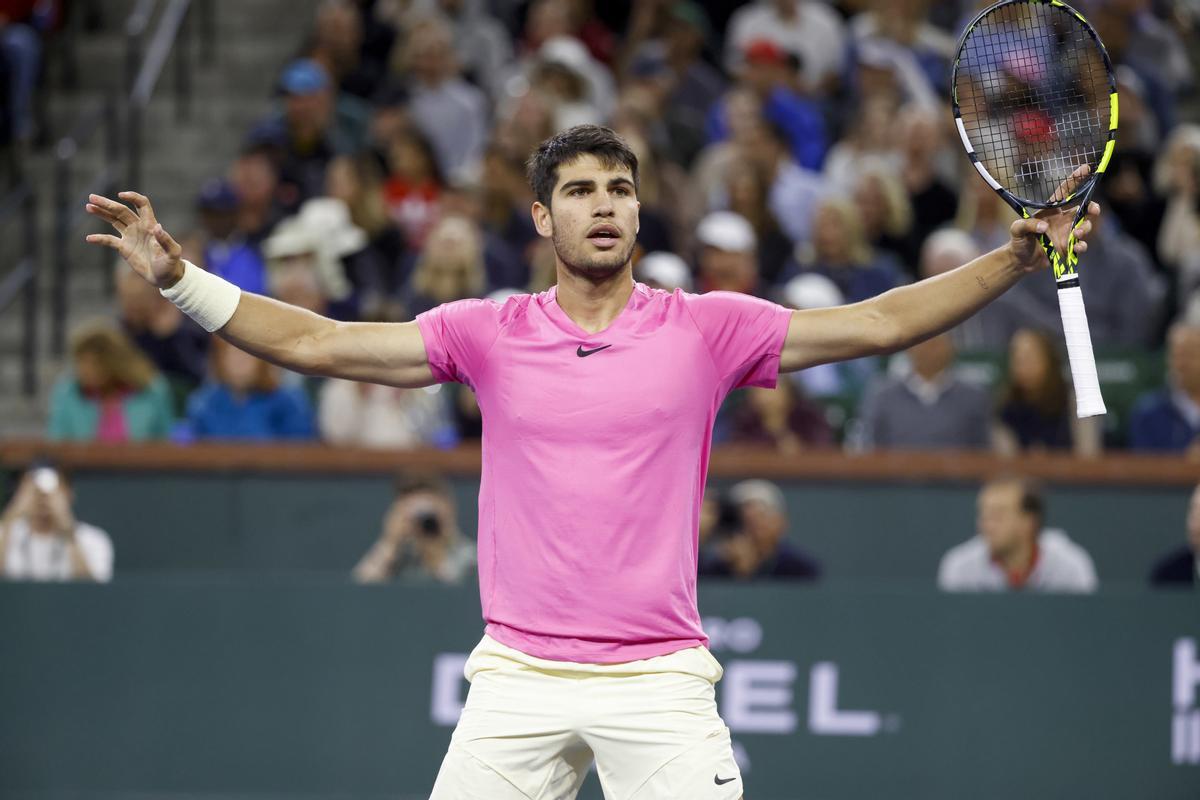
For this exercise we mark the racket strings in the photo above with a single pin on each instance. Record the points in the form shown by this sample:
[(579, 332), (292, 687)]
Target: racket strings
[(1033, 97)]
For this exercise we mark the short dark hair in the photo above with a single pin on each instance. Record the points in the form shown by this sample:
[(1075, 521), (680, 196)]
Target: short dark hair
[(565, 147)]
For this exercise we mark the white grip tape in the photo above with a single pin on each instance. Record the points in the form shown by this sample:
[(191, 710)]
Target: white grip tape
[(208, 299), (1088, 401)]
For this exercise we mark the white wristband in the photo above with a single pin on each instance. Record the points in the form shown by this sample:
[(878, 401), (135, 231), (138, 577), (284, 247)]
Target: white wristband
[(206, 298)]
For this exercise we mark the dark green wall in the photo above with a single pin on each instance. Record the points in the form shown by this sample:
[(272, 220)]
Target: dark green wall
[(875, 532), (318, 688)]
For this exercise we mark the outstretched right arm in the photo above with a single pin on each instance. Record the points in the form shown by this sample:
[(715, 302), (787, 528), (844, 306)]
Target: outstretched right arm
[(295, 338)]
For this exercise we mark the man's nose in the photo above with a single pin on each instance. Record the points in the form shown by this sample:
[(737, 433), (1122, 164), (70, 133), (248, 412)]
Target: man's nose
[(604, 206)]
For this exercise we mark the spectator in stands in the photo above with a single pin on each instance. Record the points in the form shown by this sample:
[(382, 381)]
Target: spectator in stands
[(42, 540), (254, 177), (375, 271), (304, 258), (505, 199), (220, 245), (665, 271), (751, 537), (421, 539), (1177, 181), (905, 26), (870, 141), (667, 41), (840, 252), (747, 193), (245, 399), (727, 259), (413, 187), (794, 192), (1169, 419), (481, 44), (338, 46), (113, 395), (314, 126), (1013, 551), (782, 418), (1181, 567), (927, 408), (177, 346), (1037, 406), (811, 31), (922, 146), (384, 417), (886, 215), (766, 71), (449, 112), (21, 52), (450, 268)]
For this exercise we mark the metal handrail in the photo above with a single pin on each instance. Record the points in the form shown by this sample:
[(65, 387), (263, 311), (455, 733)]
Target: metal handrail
[(144, 62), (22, 280)]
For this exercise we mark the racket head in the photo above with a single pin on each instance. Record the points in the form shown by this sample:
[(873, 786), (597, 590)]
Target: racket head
[(1034, 97)]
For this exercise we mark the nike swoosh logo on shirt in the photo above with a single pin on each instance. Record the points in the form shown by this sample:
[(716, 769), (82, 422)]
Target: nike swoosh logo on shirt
[(719, 781), (582, 353)]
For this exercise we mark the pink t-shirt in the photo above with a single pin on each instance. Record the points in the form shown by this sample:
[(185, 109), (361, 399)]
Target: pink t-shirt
[(595, 451)]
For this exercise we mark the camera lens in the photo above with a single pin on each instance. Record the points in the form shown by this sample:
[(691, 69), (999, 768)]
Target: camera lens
[(428, 524)]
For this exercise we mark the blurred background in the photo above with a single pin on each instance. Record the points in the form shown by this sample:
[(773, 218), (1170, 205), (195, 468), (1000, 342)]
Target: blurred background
[(924, 577)]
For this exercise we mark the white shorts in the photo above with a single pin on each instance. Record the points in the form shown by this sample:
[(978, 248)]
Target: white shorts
[(531, 727)]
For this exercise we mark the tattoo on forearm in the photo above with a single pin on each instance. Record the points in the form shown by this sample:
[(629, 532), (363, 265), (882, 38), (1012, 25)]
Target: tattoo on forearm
[(982, 283)]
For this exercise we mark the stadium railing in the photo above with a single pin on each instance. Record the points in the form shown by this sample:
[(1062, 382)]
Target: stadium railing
[(21, 282)]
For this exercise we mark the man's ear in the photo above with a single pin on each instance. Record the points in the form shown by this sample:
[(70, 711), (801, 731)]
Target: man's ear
[(639, 222), (542, 221)]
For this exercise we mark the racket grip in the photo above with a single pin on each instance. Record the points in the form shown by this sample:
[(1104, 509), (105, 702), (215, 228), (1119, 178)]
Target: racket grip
[(1088, 401)]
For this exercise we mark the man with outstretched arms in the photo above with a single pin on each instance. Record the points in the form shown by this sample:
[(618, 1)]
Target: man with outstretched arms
[(598, 398)]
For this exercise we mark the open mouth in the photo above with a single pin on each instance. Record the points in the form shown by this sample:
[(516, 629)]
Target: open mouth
[(604, 236)]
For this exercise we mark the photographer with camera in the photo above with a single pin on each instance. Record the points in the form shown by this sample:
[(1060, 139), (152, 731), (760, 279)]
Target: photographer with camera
[(748, 539), (40, 538), (420, 538)]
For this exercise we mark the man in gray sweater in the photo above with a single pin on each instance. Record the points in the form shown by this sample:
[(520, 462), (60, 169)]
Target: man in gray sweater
[(929, 408)]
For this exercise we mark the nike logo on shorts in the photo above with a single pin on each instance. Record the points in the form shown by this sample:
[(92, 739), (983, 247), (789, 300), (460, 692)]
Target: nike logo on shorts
[(719, 781)]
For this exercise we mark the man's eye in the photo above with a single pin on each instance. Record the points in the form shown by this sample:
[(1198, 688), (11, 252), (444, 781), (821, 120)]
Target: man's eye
[(576, 192), (620, 190)]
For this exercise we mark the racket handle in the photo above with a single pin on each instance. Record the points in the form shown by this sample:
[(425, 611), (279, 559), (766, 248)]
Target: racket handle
[(1088, 401)]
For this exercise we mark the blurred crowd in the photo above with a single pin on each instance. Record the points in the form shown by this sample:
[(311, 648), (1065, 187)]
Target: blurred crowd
[(799, 150)]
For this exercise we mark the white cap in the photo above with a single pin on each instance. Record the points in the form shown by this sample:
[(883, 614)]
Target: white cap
[(811, 291), (728, 231), (758, 490), (666, 269)]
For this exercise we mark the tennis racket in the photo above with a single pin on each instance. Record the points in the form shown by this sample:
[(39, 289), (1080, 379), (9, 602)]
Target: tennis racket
[(1035, 100)]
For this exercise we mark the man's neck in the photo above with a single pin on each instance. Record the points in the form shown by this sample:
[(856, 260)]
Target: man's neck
[(1018, 560), (594, 304)]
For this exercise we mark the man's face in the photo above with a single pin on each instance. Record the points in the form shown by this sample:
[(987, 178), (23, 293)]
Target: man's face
[(1184, 358), (728, 270), (592, 218), (1002, 523), (764, 524), (1193, 522)]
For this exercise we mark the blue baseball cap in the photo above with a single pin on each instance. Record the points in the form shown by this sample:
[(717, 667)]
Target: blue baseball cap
[(217, 194), (303, 76)]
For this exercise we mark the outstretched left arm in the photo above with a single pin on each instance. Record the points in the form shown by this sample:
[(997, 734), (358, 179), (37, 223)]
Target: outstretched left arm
[(906, 315)]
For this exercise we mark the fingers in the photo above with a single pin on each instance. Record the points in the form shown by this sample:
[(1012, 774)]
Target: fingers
[(1067, 187), (111, 210), (1028, 227), (141, 203), (105, 239), (169, 245)]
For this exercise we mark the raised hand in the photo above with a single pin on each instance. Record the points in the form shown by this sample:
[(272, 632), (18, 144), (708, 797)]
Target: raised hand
[(146, 247), (1056, 224)]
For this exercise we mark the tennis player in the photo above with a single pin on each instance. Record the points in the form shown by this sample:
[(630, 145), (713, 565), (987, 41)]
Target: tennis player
[(598, 398)]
